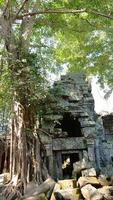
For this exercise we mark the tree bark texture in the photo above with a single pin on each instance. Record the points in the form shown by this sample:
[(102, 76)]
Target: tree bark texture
[(25, 160)]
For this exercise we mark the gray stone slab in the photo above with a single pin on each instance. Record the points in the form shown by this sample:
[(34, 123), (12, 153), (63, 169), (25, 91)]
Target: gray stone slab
[(69, 143)]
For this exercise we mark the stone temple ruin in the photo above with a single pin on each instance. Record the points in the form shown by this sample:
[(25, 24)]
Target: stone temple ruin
[(72, 131)]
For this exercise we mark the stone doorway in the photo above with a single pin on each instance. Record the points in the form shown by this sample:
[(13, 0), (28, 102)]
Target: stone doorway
[(67, 164), (63, 163)]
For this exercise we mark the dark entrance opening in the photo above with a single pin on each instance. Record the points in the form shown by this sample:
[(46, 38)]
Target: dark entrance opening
[(71, 125), (67, 164)]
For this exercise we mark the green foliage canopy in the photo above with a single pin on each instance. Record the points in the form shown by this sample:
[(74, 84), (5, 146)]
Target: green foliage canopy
[(76, 33)]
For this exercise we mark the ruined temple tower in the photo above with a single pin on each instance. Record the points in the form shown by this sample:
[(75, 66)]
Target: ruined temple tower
[(70, 121), (72, 130)]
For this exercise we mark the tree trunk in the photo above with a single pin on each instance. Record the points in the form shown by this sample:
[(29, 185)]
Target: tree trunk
[(11, 147), (38, 171), (22, 113), (18, 143), (25, 145)]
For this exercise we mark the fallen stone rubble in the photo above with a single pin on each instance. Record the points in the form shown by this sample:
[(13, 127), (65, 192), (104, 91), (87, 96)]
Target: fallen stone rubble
[(96, 188), (89, 186)]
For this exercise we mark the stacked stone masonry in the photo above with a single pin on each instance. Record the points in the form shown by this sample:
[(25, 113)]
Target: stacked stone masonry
[(71, 131), (74, 130)]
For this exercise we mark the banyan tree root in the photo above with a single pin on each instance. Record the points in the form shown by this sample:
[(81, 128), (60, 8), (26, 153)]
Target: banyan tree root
[(12, 192)]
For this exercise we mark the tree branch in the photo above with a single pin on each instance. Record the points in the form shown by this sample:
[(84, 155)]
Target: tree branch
[(52, 11), (27, 24), (65, 11), (22, 6), (89, 23), (100, 14), (7, 3)]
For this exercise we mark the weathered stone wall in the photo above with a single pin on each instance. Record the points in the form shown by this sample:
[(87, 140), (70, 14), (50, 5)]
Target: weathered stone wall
[(106, 145), (108, 124), (72, 95)]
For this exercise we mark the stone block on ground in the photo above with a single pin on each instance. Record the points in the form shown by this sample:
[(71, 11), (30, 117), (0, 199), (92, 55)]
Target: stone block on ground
[(107, 192), (89, 172), (79, 166), (69, 183), (82, 181), (56, 188), (71, 194), (33, 190), (104, 181), (46, 186), (41, 196), (91, 193)]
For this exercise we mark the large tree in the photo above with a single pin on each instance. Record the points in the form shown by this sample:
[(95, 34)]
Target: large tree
[(31, 32)]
